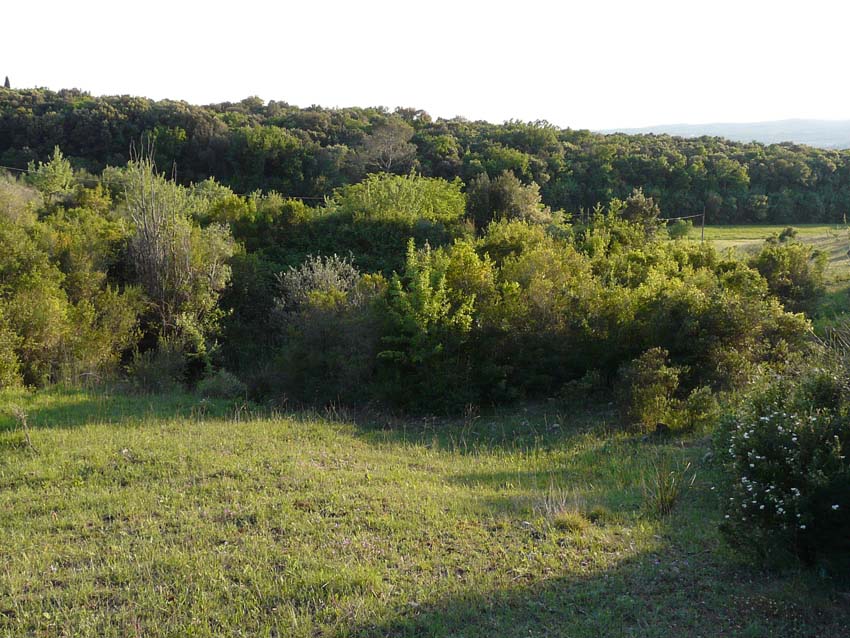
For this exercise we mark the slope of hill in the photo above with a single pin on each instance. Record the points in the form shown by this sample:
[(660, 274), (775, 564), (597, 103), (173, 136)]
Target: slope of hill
[(155, 516), (820, 133)]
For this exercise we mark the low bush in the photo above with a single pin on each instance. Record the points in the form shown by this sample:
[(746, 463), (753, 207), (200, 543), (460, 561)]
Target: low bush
[(698, 411), (787, 493), (794, 273), (680, 229), (330, 328), (158, 370), (645, 389), (222, 385)]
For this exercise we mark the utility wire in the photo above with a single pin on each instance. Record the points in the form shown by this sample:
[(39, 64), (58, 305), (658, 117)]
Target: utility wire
[(98, 180), (673, 219)]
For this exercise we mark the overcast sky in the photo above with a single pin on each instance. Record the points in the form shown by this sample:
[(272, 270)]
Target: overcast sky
[(592, 64)]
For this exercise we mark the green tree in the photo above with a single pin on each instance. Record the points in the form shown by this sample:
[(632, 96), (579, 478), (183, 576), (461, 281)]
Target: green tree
[(794, 273), (388, 148), (52, 179), (428, 325), (507, 197), (182, 267)]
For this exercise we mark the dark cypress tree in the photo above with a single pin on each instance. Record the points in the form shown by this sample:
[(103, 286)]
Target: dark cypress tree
[(7, 84)]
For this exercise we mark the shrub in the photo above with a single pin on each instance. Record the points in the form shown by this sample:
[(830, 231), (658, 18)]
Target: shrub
[(794, 273), (9, 365), (330, 331), (222, 385), (788, 233), (591, 386), (680, 229), (787, 475), (159, 370), (699, 411), (645, 389)]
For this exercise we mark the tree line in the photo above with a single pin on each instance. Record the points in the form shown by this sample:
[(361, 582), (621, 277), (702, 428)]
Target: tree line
[(311, 152)]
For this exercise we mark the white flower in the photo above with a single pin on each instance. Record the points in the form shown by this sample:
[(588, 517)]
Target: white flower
[(835, 507), (802, 527)]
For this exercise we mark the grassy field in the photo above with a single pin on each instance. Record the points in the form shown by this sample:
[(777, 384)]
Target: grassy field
[(832, 239), (168, 516)]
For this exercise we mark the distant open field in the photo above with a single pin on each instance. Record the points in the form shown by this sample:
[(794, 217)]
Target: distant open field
[(170, 516), (833, 239)]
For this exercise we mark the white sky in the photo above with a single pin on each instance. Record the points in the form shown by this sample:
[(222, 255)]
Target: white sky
[(590, 64)]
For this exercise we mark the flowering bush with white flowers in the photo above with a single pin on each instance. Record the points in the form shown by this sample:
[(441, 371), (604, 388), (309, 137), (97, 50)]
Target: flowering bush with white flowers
[(788, 493)]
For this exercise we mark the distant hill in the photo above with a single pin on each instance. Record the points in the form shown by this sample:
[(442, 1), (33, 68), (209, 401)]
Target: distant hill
[(821, 133)]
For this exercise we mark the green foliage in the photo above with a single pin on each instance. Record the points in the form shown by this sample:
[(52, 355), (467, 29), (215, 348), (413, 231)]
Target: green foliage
[(387, 148), (408, 198), (699, 412), (159, 370), (311, 152), (680, 229), (505, 197), (645, 389), (642, 211), (181, 266), (794, 273), (787, 476), (529, 306), (9, 364), (221, 385), (53, 179), (787, 234), (423, 362), (330, 332)]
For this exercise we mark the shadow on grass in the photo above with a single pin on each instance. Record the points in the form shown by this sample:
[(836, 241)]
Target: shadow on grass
[(68, 408), (512, 428), (648, 597), (685, 588)]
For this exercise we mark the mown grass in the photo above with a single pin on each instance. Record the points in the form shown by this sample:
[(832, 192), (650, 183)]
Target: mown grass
[(167, 516)]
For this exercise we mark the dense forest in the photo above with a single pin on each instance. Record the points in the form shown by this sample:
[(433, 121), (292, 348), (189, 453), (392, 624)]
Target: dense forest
[(310, 152)]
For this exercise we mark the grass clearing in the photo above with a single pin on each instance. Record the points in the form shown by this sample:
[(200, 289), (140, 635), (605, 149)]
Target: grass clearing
[(164, 516), (832, 239)]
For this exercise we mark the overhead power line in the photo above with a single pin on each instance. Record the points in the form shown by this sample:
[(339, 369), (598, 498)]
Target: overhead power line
[(98, 180)]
